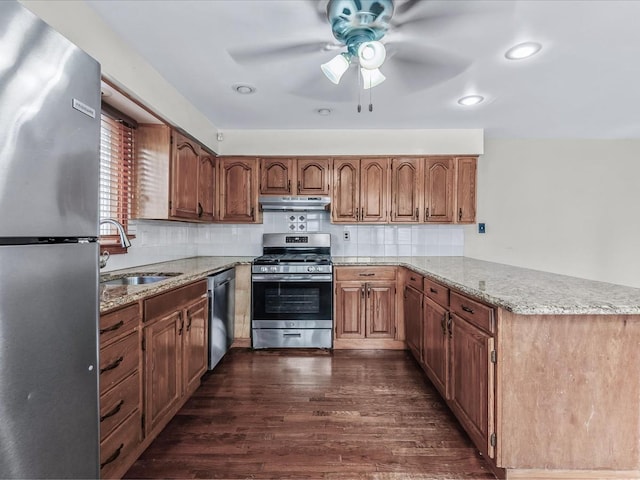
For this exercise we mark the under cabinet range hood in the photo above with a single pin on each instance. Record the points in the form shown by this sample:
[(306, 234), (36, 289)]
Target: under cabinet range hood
[(293, 204)]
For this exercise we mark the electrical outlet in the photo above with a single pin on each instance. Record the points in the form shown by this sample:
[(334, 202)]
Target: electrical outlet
[(347, 236), (481, 228)]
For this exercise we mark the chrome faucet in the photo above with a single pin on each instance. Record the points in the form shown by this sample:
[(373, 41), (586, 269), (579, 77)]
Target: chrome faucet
[(124, 240)]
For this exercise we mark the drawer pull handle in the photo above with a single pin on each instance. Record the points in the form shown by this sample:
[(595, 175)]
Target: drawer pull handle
[(112, 327), (113, 456), (413, 279), (366, 274), (112, 365), (433, 290), (467, 309), (292, 335), (113, 411)]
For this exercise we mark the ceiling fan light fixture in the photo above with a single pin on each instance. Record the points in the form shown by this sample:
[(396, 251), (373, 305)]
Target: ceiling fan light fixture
[(335, 68), (470, 100), (371, 78), (371, 55), (523, 50)]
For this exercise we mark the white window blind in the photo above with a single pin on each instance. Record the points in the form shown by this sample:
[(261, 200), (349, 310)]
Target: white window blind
[(116, 172)]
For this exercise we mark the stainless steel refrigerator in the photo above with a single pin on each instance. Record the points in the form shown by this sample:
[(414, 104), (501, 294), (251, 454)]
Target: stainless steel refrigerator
[(49, 169)]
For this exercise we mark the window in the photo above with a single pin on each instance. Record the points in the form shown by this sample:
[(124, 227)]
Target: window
[(117, 147)]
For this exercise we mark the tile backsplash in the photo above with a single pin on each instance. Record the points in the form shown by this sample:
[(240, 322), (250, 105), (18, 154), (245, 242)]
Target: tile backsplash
[(158, 241)]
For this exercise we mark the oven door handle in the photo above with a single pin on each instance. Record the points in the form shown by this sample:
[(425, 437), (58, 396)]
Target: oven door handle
[(291, 278)]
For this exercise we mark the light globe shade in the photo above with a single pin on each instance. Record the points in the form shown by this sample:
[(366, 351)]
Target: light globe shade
[(335, 68), (371, 55), (371, 78)]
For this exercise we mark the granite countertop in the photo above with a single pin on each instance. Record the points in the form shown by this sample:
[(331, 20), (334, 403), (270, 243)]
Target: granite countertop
[(516, 289), (187, 270)]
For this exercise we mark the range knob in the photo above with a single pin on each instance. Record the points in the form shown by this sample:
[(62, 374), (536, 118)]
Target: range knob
[(311, 269), (274, 269), (264, 269)]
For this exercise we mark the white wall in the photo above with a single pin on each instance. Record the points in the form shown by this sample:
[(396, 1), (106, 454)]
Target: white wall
[(124, 66), (352, 142), (564, 206)]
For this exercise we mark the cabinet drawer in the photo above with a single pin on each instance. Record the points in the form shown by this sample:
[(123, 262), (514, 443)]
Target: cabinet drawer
[(436, 292), (118, 360), (118, 403), (165, 303), (414, 279), (117, 449), (365, 274), (474, 312), (116, 323)]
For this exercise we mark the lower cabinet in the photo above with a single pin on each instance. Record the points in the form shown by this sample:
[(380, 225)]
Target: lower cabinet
[(120, 390), (365, 303), (413, 321), (175, 351), (456, 335), (149, 366)]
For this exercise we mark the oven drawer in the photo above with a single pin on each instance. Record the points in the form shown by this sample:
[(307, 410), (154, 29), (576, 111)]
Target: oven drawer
[(292, 324), (292, 338)]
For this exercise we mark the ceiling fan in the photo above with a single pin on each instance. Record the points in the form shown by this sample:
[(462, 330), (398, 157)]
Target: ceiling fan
[(395, 33)]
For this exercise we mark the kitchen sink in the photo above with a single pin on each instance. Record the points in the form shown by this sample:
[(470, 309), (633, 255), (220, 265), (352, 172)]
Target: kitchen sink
[(138, 279)]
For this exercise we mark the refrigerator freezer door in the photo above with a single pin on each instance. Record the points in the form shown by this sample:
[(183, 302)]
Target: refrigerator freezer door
[(49, 130), (48, 361)]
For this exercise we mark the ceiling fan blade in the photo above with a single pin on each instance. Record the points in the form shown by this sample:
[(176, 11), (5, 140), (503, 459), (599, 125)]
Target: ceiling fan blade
[(423, 14), (419, 67), (275, 53), (406, 7)]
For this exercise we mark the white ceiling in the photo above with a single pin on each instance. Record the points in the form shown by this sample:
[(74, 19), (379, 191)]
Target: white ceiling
[(583, 83)]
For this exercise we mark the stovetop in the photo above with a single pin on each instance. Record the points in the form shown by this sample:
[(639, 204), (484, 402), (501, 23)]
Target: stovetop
[(293, 259)]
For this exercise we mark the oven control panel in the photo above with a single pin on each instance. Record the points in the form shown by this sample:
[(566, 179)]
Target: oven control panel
[(313, 269)]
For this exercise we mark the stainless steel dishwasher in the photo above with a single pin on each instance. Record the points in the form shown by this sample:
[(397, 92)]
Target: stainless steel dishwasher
[(222, 287)]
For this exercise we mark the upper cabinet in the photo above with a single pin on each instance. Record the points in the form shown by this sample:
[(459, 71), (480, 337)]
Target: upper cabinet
[(175, 176), (294, 176), (466, 189), (439, 186), (406, 189), (360, 190), (238, 190)]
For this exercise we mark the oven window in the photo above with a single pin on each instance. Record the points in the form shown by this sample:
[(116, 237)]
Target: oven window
[(284, 299), (292, 301)]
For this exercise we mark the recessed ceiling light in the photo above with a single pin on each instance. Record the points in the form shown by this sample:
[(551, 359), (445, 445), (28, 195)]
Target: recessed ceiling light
[(523, 50), (323, 111), (470, 100), (244, 89)]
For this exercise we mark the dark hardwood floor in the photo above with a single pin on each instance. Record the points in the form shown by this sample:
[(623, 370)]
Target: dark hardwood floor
[(313, 415)]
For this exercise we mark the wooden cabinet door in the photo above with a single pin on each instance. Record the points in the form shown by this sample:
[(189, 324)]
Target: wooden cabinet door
[(194, 347), (163, 375), (184, 178), (466, 169), (381, 310), (438, 190), (206, 187), (277, 176), (350, 311), (314, 176), (436, 345), (472, 382), (413, 321), (345, 205), (374, 190), (406, 189), (238, 190)]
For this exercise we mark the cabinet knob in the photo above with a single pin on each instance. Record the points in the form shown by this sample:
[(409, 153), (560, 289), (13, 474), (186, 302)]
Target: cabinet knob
[(460, 214)]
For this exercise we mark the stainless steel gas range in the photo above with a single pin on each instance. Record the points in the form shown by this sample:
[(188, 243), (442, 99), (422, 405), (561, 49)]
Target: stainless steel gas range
[(292, 292)]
